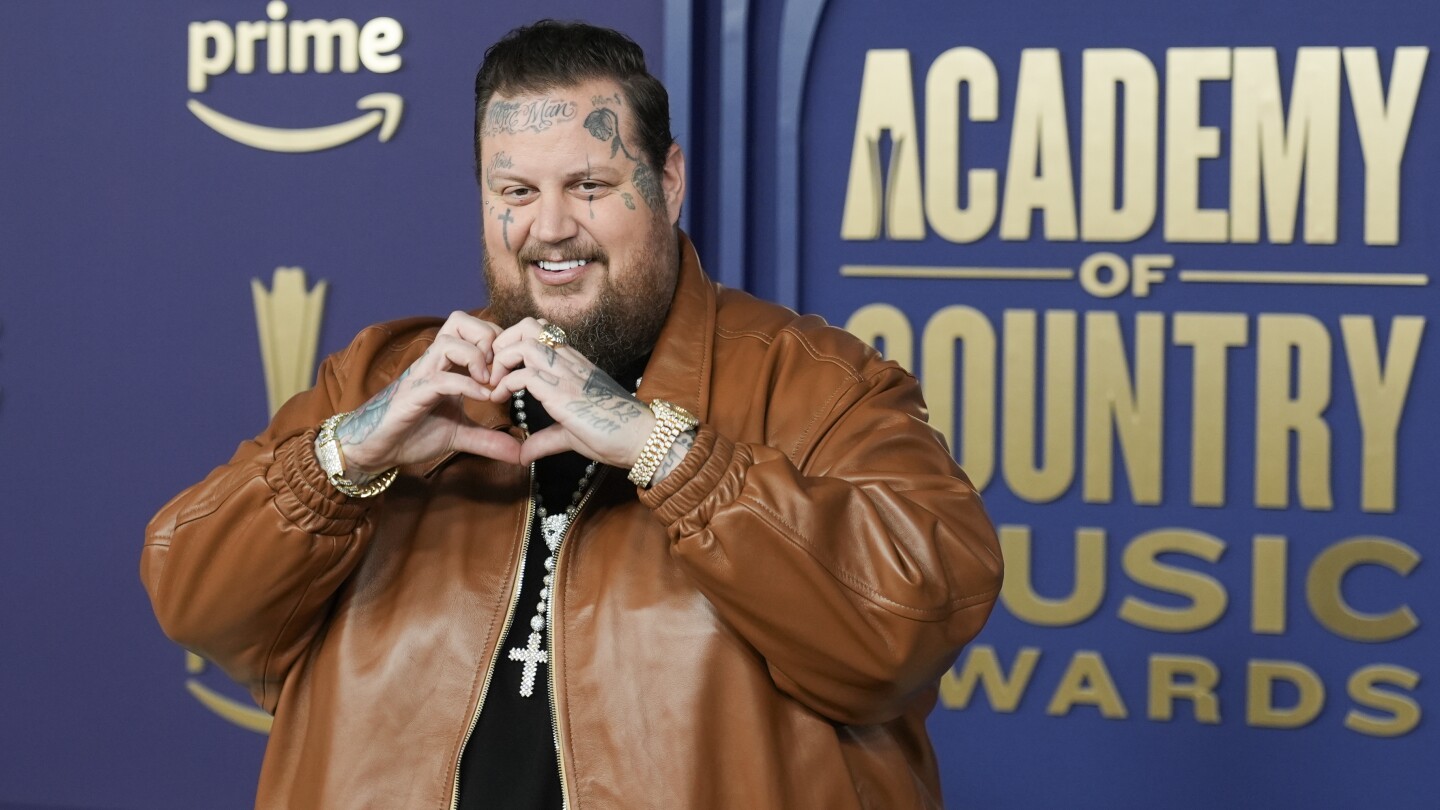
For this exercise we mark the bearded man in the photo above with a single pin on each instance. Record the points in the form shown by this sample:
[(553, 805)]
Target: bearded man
[(622, 539)]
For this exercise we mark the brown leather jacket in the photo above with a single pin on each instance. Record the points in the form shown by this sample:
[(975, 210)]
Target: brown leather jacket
[(763, 629)]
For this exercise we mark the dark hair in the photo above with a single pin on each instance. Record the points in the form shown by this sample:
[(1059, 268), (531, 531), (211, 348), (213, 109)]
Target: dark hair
[(551, 54)]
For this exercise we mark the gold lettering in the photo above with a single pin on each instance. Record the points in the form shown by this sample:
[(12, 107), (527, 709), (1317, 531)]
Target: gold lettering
[(329, 37), (1045, 481), (1114, 406), (1384, 126), (275, 47), (1087, 682), (982, 668), (1187, 143), (1260, 709), (943, 153), (1381, 389), (1019, 595), (886, 327), (977, 423), (1038, 175), (887, 102), (1211, 336), (1207, 596), (1292, 346), (1198, 686), (246, 35), (1267, 585), (1106, 71), (1267, 150), (1404, 711), (1327, 601), (202, 64)]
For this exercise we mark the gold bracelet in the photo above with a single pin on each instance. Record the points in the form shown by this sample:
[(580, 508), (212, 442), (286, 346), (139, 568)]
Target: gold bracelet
[(670, 422), (332, 461)]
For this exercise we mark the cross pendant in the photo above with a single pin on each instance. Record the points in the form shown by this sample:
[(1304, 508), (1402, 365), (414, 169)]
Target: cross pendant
[(533, 657)]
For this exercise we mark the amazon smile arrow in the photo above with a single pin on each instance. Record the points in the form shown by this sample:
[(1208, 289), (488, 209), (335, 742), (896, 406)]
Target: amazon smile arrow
[(385, 110)]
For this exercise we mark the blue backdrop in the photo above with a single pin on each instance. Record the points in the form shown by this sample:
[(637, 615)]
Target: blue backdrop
[(1205, 435)]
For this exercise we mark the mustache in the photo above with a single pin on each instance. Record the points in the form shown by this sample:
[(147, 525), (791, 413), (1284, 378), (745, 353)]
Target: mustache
[(566, 251)]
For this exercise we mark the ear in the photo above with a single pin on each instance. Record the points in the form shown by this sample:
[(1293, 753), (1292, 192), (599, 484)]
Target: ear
[(672, 182)]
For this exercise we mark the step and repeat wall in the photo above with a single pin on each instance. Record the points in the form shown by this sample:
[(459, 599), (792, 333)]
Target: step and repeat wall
[(198, 198), (1164, 274)]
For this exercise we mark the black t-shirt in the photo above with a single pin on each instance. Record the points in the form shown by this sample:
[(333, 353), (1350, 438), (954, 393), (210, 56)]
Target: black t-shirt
[(510, 761)]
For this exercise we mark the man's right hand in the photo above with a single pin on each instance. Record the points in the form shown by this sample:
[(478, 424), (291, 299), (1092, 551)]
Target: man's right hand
[(420, 416)]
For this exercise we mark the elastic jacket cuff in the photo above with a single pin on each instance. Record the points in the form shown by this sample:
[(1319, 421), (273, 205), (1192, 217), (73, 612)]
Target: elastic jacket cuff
[(303, 493), (698, 476)]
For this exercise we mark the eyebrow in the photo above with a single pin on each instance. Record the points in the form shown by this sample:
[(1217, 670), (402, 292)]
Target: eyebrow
[(577, 174)]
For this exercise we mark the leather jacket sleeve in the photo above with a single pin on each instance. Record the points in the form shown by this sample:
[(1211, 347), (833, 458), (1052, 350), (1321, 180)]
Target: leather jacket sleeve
[(241, 567), (857, 564)]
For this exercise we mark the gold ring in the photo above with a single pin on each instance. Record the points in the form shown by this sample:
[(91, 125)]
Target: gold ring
[(551, 336)]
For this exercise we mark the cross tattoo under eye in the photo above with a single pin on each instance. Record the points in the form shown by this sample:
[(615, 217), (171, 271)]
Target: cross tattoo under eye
[(506, 218)]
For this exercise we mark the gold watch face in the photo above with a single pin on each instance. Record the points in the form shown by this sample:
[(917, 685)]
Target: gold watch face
[(685, 416), (329, 456)]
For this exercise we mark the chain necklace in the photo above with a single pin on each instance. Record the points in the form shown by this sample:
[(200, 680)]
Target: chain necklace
[(552, 528)]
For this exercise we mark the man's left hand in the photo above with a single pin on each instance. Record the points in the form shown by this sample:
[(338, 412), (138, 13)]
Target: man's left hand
[(593, 414)]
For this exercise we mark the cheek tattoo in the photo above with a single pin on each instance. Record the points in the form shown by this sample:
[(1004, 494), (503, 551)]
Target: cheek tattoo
[(506, 218)]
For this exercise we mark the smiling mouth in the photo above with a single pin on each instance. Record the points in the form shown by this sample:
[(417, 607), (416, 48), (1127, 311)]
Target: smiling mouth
[(557, 267)]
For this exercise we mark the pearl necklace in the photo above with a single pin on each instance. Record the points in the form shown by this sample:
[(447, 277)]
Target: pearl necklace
[(552, 528)]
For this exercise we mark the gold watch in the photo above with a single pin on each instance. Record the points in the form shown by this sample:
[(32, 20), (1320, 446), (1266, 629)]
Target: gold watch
[(670, 422), (327, 452)]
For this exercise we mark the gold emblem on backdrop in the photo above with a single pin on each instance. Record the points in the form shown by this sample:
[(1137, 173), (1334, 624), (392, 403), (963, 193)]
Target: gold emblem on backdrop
[(287, 318)]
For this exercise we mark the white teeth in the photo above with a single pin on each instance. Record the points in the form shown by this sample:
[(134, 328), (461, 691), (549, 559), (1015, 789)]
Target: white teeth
[(557, 266)]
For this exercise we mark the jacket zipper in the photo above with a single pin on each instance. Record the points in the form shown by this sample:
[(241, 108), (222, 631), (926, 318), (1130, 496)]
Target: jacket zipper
[(550, 637), (495, 654)]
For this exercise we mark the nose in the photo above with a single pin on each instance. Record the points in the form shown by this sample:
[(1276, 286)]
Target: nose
[(554, 221)]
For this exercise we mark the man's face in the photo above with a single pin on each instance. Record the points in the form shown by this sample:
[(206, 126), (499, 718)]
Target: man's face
[(579, 228)]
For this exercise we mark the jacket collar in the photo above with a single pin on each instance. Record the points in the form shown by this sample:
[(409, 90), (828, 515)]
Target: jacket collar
[(680, 365)]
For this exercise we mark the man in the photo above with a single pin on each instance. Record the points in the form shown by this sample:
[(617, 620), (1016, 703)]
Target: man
[(754, 568)]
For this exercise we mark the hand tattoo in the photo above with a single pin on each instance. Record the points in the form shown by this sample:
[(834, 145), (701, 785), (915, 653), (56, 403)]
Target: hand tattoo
[(362, 422), (606, 406)]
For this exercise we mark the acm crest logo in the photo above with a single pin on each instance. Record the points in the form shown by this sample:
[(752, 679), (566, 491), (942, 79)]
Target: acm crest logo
[(296, 46), (287, 318)]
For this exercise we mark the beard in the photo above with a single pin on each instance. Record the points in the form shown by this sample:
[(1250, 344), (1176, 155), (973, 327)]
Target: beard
[(624, 321)]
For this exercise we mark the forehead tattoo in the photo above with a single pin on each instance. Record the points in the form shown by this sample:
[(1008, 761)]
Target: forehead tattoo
[(604, 125), (533, 115)]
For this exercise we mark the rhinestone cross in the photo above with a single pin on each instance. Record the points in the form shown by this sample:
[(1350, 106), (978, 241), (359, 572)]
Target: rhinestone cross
[(533, 657)]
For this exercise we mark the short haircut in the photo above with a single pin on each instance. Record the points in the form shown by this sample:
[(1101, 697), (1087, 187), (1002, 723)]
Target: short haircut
[(551, 54)]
